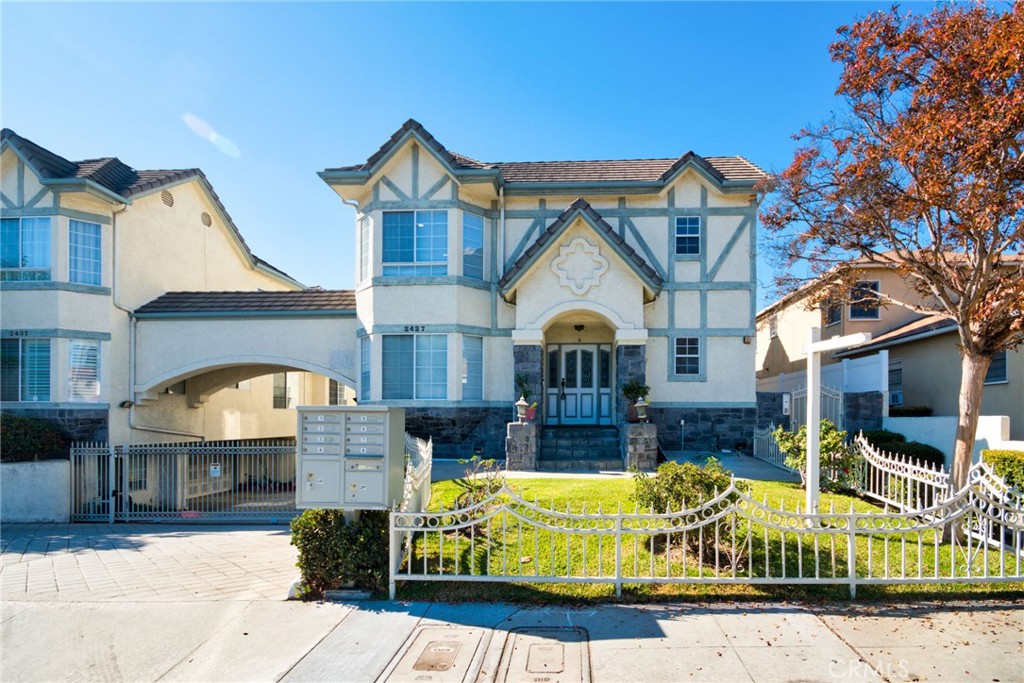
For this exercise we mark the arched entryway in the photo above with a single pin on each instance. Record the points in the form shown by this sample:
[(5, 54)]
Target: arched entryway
[(579, 370)]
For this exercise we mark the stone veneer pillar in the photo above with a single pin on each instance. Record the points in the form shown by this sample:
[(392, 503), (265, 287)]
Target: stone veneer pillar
[(640, 445), (528, 360), (630, 364), (521, 446)]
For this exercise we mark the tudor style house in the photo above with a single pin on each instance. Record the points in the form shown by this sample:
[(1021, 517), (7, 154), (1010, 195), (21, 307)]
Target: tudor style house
[(478, 281), (86, 248)]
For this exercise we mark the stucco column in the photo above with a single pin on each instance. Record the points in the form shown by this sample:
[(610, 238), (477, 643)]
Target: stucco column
[(528, 361), (630, 364)]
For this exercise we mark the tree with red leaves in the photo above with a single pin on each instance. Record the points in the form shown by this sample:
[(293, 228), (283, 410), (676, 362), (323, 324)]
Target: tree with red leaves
[(922, 172)]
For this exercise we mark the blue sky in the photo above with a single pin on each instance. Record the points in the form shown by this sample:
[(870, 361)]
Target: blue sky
[(293, 88)]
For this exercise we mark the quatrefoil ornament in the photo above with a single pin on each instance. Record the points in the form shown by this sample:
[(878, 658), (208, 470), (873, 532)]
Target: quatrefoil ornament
[(579, 266)]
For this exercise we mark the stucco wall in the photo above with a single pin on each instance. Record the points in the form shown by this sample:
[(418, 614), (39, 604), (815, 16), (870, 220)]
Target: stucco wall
[(35, 491), (993, 431)]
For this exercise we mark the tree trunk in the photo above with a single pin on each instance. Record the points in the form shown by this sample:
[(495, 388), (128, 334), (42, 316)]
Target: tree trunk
[(974, 367)]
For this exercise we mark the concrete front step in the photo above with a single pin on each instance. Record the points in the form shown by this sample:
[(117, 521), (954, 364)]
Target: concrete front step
[(580, 453), (579, 464)]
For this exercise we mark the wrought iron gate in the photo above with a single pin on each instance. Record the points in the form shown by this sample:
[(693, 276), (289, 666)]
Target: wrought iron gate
[(209, 481), (831, 407)]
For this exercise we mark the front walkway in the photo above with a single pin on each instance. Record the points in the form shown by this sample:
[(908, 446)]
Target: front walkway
[(145, 562)]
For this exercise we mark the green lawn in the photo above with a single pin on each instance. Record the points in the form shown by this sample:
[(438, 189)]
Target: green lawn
[(509, 545)]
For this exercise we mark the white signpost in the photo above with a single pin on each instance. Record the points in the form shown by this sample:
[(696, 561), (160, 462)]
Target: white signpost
[(815, 347)]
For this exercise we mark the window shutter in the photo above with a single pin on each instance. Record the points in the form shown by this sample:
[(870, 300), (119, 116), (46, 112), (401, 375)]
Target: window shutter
[(84, 371)]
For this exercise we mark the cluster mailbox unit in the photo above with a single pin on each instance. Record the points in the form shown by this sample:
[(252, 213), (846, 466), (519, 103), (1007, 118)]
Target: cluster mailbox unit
[(349, 457)]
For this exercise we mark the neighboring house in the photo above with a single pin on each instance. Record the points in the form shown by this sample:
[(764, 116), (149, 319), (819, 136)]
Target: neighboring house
[(923, 360), (85, 245), (569, 278)]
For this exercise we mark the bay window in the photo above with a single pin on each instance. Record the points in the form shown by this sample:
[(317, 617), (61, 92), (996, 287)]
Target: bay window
[(472, 246), (414, 366), (415, 243), (84, 242), (25, 370), (84, 370), (25, 249), (472, 368)]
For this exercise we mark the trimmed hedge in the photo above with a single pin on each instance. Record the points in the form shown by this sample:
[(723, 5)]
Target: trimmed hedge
[(24, 439), (1007, 464), (916, 450), (910, 411), (880, 436), (334, 553)]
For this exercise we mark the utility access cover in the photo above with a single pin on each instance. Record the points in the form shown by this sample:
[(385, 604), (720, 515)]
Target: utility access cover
[(545, 655), (443, 655)]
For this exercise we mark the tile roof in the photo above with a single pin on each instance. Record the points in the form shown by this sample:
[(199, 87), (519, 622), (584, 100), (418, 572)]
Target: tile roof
[(249, 302), (120, 178), (584, 207), (729, 168)]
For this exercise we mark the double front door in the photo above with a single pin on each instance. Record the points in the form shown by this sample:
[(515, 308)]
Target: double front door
[(579, 380)]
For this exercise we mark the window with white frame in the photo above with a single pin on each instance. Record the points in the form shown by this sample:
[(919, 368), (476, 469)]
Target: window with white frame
[(773, 327), (687, 356), (472, 368), (364, 247), (84, 261), (473, 246), (997, 370), (864, 301), (687, 235), (365, 360), (414, 366), (415, 243), (284, 390), (83, 370), (137, 471), (25, 249), (896, 382), (335, 393), (25, 369)]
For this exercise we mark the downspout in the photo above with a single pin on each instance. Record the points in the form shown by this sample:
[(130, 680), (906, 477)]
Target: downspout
[(501, 232), (132, 323)]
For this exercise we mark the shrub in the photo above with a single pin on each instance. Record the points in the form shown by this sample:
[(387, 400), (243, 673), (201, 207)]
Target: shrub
[(675, 485), (837, 460), (1007, 464), (910, 411), (915, 449), (31, 438), (634, 390), (883, 436), (334, 552)]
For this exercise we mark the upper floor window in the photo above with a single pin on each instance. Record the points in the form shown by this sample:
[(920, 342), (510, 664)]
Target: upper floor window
[(84, 371), (997, 370), (285, 389), (473, 246), (84, 266), (415, 243), (25, 249), (687, 360), (25, 370), (864, 301), (773, 327), (896, 382), (687, 235), (833, 314), (414, 366)]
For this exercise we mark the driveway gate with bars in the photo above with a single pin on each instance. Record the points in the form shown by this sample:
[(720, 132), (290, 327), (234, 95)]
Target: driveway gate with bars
[(223, 480)]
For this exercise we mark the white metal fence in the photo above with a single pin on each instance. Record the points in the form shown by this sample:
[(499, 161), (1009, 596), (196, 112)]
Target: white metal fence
[(198, 481), (906, 484), (767, 448), (732, 538), (418, 467)]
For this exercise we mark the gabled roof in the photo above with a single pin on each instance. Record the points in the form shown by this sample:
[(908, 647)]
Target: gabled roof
[(921, 328), (122, 181), (581, 208), (309, 301), (724, 170)]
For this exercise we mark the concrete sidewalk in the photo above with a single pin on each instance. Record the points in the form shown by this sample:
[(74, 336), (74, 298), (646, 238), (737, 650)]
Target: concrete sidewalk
[(265, 640)]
